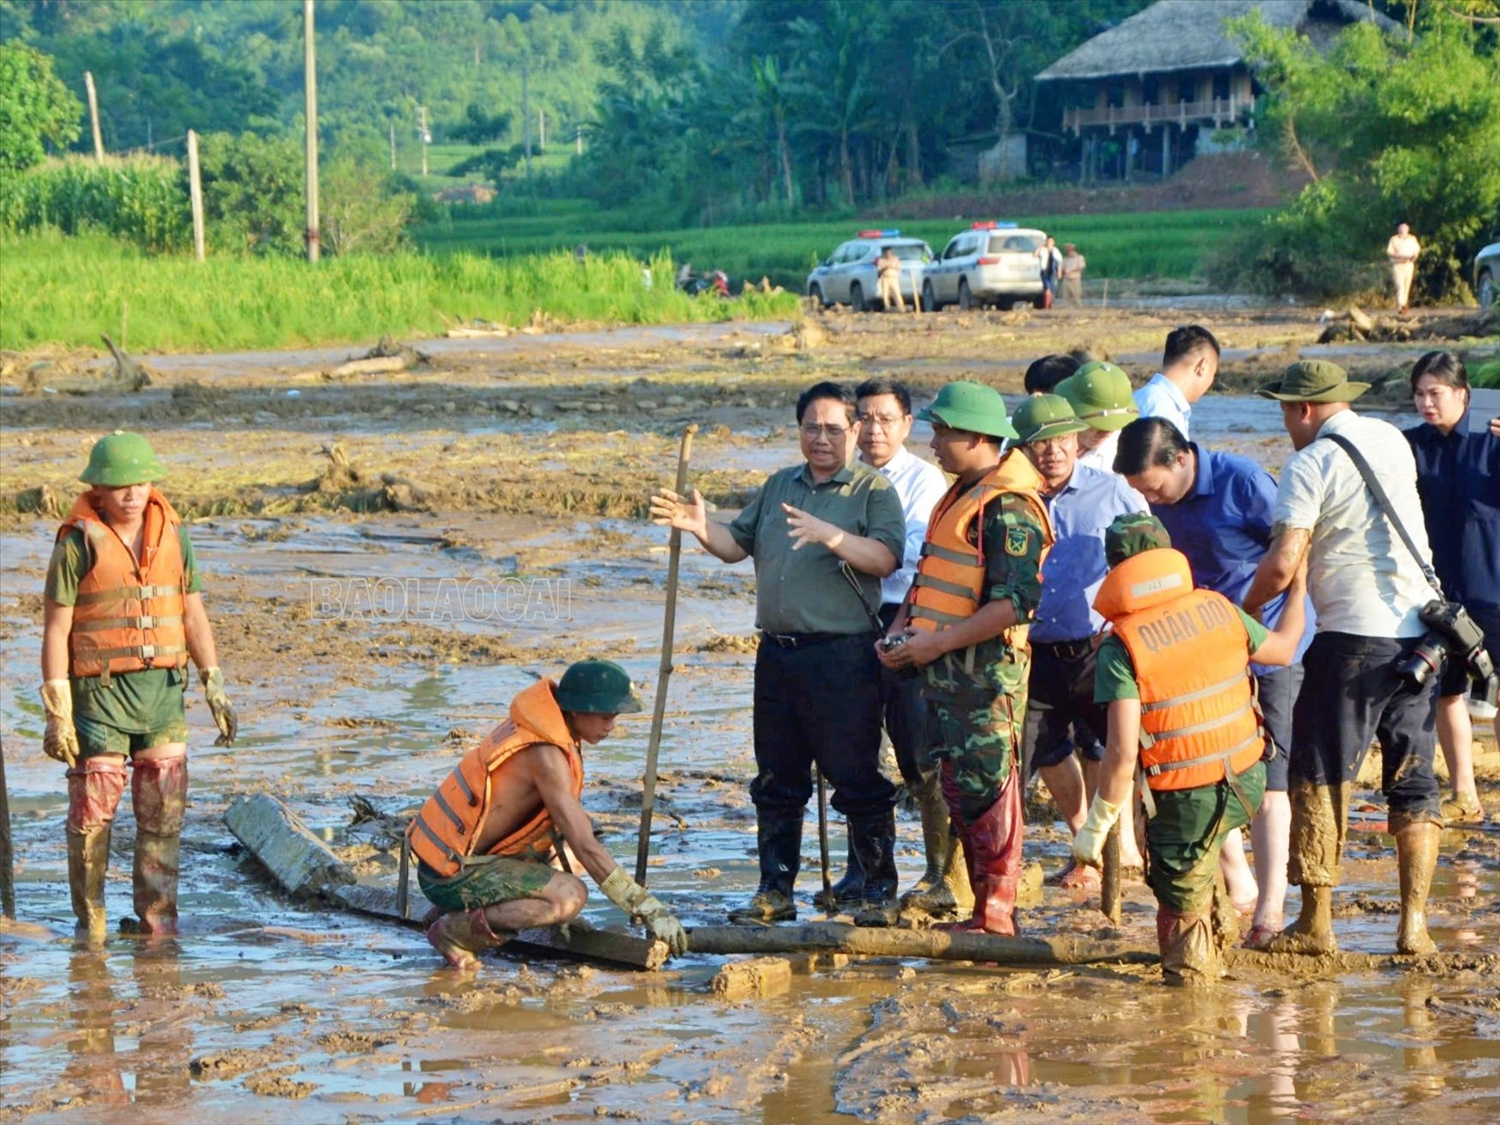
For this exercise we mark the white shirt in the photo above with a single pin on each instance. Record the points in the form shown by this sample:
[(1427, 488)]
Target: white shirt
[(920, 484), (1160, 398), (1362, 578), (1102, 456)]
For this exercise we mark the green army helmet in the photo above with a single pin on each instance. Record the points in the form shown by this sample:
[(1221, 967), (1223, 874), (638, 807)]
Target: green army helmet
[(597, 687), (966, 405), (121, 459), (1133, 533), (1314, 380), (1100, 395), (1045, 416)]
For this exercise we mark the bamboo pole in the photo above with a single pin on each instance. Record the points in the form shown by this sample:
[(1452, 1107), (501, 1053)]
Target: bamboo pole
[(7, 854), (664, 670)]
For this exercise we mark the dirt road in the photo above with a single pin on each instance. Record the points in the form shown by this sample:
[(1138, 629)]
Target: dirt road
[(390, 559)]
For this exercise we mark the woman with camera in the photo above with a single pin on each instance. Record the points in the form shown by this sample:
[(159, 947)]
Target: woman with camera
[(1458, 478)]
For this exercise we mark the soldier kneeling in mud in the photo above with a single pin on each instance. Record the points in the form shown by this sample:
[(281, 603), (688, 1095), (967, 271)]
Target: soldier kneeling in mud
[(1175, 675), (484, 840)]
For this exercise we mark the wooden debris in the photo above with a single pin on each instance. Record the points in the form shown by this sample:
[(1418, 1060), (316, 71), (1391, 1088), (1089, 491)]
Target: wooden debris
[(940, 945), (277, 837), (759, 976), (387, 356)]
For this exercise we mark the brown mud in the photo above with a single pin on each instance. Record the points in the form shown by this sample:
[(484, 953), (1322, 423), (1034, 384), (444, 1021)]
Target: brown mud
[(390, 558)]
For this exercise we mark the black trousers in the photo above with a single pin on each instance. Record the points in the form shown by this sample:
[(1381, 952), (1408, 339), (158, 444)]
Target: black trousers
[(819, 704), (908, 719)]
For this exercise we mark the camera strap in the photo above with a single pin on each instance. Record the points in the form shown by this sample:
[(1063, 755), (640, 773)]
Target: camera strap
[(1372, 482)]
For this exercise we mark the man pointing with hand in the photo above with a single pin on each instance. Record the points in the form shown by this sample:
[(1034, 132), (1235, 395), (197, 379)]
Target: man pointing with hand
[(822, 534)]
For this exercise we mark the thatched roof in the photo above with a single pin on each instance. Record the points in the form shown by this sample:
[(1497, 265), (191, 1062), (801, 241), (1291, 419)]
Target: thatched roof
[(1174, 35)]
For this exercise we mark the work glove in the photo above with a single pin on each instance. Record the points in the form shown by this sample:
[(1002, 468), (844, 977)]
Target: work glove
[(1088, 845), (61, 738), (634, 899), (218, 702)]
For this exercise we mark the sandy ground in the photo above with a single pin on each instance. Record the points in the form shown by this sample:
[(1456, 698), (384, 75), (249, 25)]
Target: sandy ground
[(390, 558)]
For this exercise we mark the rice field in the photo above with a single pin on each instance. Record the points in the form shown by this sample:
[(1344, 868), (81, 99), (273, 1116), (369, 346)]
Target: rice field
[(67, 290)]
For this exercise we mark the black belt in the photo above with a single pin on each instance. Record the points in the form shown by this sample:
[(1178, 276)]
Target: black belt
[(803, 640), (1066, 650)]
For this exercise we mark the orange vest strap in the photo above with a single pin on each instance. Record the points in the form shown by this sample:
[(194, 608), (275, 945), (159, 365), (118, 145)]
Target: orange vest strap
[(1256, 740), (1247, 708), (1193, 696)]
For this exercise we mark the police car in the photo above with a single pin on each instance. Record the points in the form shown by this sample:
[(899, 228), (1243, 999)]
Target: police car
[(990, 263), (847, 276)]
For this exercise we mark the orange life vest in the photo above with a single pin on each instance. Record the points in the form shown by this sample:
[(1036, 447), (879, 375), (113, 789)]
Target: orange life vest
[(1192, 665), (128, 615), (949, 585), (443, 834)]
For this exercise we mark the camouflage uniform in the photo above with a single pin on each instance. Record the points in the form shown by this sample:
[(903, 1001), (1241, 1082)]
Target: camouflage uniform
[(980, 703)]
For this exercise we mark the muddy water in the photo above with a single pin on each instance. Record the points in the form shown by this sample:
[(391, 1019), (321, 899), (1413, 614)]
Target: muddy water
[(271, 1010)]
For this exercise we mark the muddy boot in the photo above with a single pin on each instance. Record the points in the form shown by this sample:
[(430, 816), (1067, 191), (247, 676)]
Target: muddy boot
[(873, 838), (94, 789), (994, 842), (849, 891), (1188, 956), (1319, 818), (1226, 919), (158, 790), (943, 891), (778, 834), (1416, 857), (460, 936)]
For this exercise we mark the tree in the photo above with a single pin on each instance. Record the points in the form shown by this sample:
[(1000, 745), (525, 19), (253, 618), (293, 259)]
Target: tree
[(1390, 130), (35, 109), (479, 128)]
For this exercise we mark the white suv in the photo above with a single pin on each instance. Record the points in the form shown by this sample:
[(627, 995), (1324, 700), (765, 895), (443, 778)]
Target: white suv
[(990, 263), (847, 276)]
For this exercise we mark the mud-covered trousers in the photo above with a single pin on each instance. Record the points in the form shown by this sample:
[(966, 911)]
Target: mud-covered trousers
[(1185, 836), (977, 729), (1350, 695)]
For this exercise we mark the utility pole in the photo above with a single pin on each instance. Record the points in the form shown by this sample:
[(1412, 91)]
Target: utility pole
[(310, 69), (88, 84), (578, 138), (423, 135), (526, 110), (195, 193)]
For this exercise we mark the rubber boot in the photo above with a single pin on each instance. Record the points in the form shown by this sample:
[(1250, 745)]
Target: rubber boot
[(778, 835), (943, 891), (1416, 857), (1320, 815), (94, 789), (849, 891), (994, 842), (873, 838), (461, 936), (1188, 955), (158, 790)]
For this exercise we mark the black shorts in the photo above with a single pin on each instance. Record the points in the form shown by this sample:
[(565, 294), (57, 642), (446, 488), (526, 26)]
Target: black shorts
[(1060, 693), (1277, 691)]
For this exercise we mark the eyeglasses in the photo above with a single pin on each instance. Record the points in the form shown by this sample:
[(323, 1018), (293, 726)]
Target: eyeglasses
[(1047, 443), (881, 421), (833, 433)]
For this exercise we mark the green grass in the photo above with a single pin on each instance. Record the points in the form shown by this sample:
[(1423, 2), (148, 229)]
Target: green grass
[(1166, 244), (62, 290)]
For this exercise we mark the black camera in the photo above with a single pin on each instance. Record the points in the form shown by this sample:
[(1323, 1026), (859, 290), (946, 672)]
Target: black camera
[(1451, 634)]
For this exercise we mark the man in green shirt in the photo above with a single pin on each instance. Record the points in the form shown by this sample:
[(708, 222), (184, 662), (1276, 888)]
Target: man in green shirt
[(822, 534), (1175, 675), (123, 614)]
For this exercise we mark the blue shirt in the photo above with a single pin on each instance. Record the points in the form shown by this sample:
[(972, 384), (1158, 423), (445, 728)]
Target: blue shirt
[(1458, 479), (1223, 526), (1081, 511), (1160, 398)]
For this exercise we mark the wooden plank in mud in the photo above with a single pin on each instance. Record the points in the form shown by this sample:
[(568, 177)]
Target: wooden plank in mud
[(277, 837), (609, 946), (941, 945)]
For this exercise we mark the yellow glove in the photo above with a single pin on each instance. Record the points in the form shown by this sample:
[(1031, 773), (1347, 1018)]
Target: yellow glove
[(61, 738), (634, 899), (218, 703), (1088, 845)]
